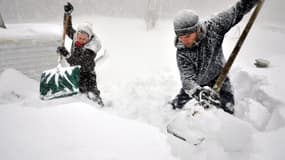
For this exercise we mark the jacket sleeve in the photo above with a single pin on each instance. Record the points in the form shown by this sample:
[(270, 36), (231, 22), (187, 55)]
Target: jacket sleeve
[(187, 72), (223, 22), (70, 30)]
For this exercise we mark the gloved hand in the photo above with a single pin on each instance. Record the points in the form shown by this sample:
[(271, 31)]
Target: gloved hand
[(206, 96), (250, 1), (68, 8), (62, 50)]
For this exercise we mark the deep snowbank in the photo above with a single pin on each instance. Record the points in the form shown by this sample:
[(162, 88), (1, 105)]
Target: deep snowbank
[(16, 87), (67, 128), (70, 130), (77, 131)]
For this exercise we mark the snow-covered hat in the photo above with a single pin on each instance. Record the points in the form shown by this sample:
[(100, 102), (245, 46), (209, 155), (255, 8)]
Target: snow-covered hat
[(186, 21), (85, 28)]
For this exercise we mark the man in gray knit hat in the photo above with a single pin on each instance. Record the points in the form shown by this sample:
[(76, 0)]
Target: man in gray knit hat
[(199, 53)]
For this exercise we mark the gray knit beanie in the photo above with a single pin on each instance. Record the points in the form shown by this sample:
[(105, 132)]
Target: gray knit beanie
[(186, 22)]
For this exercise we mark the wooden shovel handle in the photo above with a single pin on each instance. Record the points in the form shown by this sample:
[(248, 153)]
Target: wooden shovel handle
[(223, 75), (66, 20), (65, 25)]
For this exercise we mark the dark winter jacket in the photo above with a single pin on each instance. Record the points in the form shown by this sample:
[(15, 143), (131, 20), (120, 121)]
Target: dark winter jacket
[(203, 62), (83, 56)]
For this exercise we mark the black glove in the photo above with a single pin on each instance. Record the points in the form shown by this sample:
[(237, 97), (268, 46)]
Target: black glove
[(62, 51), (250, 1), (68, 8), (207, 97)]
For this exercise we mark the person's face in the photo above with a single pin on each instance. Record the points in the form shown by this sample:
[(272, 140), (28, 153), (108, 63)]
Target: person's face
[(82, 38), (189, 39)]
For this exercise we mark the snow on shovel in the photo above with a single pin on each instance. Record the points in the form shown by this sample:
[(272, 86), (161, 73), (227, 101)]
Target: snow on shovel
[(60, 81)]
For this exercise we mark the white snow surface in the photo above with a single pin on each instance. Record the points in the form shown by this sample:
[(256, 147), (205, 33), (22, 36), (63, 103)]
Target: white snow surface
[(137, 78)]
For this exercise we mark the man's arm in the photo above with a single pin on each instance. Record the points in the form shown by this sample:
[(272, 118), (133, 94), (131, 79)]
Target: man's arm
[(187, 72), (225, 20)]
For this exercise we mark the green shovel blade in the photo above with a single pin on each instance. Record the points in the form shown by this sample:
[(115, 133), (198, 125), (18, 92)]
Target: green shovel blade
[(59, 82)]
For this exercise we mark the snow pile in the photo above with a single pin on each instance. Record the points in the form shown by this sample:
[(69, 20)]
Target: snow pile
[(63, 128), (254, 104), (77, 131), (14, 86)]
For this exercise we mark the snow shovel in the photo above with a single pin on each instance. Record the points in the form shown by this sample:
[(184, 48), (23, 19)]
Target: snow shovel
[(60, 81)]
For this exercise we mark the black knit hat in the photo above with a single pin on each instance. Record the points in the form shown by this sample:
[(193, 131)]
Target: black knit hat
[(186, 22)]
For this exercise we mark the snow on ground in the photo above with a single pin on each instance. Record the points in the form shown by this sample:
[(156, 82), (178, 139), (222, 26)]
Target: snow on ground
[(77, 131), (139, 75)]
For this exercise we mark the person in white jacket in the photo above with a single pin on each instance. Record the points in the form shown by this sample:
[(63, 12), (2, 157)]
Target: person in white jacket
[(85, 46)]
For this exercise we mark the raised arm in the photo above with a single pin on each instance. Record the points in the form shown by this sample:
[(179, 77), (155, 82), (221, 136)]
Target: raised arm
[(68, 8), (70, 30), (225, 20)]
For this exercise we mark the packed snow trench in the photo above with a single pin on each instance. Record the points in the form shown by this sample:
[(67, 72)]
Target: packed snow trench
[(137, 77)]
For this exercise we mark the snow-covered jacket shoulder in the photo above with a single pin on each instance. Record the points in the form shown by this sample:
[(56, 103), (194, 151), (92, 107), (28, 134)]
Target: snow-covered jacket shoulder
[(225, 20), (94, 44), (203, 62)]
